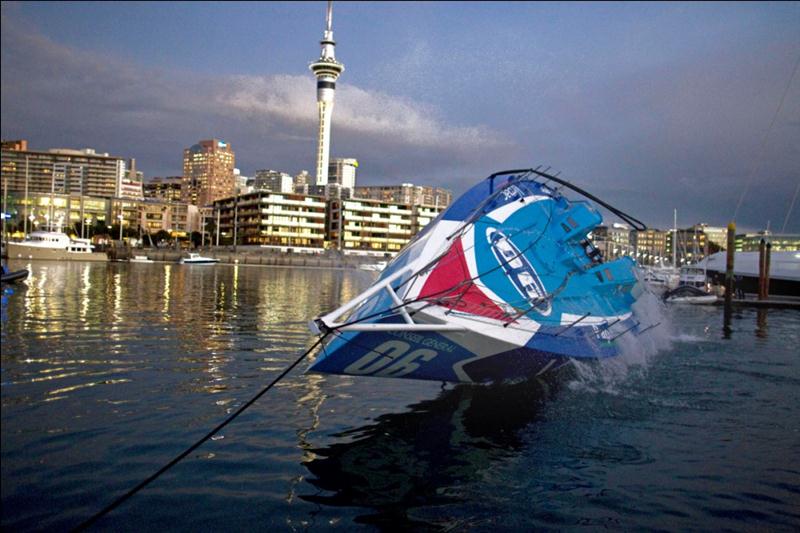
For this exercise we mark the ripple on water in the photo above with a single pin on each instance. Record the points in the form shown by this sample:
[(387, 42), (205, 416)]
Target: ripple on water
[(109, 371)]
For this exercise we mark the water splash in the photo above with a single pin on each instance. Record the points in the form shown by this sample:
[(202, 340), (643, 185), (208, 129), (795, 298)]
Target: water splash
[(636, 351)]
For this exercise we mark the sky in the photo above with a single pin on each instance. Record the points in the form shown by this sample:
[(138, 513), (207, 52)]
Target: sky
[(649, 106)]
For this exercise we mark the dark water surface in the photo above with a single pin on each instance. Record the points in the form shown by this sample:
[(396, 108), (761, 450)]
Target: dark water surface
[(109, 371)]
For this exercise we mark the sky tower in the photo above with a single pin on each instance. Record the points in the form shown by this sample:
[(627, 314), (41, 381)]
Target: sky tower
[(327, 70)]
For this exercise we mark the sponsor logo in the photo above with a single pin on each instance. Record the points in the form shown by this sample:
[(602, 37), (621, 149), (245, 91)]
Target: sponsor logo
[(519, 271)]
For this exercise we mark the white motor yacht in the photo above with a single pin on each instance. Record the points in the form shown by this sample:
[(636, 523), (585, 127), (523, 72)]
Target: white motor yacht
[(54, 245), (197, 259)]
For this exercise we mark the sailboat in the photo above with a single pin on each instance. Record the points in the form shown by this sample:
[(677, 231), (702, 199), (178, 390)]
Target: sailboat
[(692, 284), (661, 277), (503, 285)]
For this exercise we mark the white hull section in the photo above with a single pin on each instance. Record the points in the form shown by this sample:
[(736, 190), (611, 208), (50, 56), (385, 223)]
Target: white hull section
[(22, 251)]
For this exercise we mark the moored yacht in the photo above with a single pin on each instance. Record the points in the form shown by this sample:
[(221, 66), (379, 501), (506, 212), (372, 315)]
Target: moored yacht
[(197, 259), (54, 245)]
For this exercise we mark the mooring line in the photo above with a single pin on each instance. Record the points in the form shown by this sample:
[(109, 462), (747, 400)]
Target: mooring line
[(113, 505)]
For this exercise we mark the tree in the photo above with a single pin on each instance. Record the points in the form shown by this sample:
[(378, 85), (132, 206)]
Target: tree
[(162, 235)]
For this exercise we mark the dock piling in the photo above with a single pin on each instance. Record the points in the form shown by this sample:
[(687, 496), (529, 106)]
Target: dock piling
[(766, 270), (729, 279)]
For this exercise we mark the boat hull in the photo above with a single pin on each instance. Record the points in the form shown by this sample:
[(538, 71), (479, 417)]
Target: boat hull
[(504, 285), (18, 275), (23, 251), (466, 357)]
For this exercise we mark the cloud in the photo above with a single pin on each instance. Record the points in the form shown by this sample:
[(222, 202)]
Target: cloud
[(57, 96)]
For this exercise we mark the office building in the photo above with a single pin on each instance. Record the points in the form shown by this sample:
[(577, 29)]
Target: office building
[(168, 188), (369, 227), (302, 181), (780, 242), (132, 184), (406, 193), (650, 246), (208, 172), (77, 214), (272, 220), (273, 180), (60, 171), (342, 171)]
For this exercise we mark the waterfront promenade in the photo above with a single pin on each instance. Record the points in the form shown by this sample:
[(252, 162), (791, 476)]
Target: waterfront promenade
[(250, 255)]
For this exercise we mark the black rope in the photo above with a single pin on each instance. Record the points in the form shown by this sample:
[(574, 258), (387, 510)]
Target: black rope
[(116, 503), (636, 223)]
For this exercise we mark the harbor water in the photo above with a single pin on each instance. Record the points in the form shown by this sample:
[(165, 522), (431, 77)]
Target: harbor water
[(111, 370)]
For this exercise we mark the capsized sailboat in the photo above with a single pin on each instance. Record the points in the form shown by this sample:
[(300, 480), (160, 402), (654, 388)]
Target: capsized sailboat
[(503, 285)]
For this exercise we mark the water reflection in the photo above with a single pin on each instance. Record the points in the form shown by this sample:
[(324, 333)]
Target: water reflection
[(426, 454), (197, 320)]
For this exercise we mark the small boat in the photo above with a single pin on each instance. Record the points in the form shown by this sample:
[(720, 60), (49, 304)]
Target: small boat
[(693, 275), (140, 259), (373, 267), (659, 280), (503, 285), (197, 259), (10, 277), (689, 294)]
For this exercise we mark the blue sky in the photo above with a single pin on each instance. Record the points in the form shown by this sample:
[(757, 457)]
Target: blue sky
[(651, 106)]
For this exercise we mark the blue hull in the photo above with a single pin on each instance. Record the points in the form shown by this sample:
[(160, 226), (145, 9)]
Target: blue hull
[(503, 285)]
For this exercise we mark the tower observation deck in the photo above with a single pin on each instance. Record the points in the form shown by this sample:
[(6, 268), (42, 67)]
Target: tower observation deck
[(327, 71)]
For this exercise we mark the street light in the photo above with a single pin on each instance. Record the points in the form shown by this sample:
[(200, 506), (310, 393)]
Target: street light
[(120, 217), (89, 228)]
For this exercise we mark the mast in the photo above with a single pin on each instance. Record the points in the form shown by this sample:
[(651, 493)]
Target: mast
[(675, 239)]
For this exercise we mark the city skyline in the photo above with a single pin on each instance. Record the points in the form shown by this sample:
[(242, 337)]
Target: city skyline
[(652, 107)]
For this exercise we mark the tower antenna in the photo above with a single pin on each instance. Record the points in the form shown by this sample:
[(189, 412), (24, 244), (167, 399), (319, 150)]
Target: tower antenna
[(327, 71)]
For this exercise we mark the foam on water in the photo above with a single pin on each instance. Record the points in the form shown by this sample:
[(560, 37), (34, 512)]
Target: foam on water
[(636, 351)]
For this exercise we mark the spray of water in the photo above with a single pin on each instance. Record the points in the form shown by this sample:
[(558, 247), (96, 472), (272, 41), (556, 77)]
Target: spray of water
[(636, 351)]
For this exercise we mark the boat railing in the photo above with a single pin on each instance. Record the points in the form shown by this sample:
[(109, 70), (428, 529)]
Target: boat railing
[(330, 321)]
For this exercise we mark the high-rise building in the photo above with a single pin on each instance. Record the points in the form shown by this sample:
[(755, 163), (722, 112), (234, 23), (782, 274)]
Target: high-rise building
[(302, 182), (273, 180), (327, 71), (406, 193), (243, 183), (60, 171), (132, 184), (343, 172), (208, 172)]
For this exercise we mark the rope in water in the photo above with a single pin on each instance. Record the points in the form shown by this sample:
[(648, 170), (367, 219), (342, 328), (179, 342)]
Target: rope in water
[(116, 503)]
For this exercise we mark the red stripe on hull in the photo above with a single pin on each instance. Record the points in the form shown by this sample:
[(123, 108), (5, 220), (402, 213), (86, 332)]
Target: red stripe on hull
[(450, 285)]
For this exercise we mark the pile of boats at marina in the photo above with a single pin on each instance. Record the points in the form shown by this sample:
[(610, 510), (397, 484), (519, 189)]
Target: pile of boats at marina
[(703, 282)]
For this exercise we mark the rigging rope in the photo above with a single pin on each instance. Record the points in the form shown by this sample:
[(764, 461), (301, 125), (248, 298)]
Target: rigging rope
[(113, 505), (791, 207), (764, 139)]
